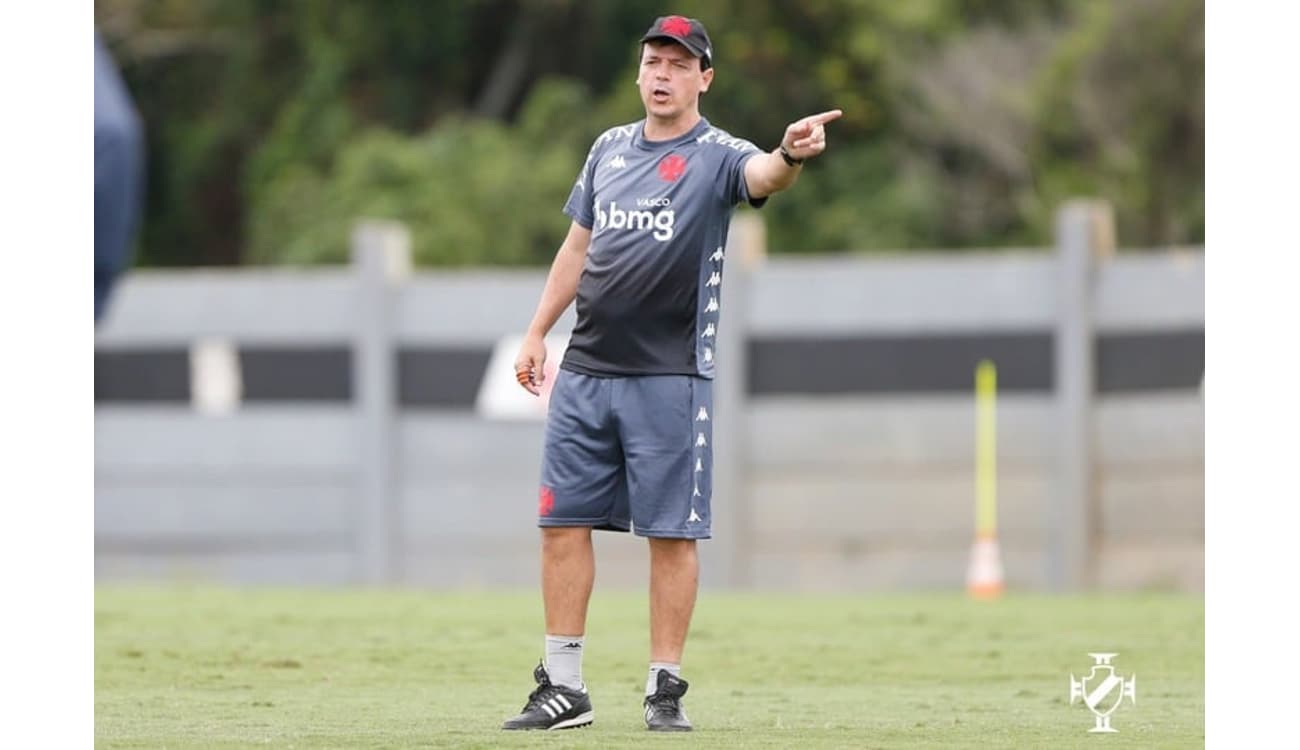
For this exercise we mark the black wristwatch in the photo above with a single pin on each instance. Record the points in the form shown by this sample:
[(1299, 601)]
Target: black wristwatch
[(789, 160)]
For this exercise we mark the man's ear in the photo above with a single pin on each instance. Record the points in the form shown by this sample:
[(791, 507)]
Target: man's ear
[(708, 79)]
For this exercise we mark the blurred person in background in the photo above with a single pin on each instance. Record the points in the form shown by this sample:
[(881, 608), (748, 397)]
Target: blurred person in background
[(119, 162), (628, 432)]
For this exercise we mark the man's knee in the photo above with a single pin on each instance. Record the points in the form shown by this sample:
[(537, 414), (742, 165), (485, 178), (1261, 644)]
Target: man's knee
[(562, 541), (673, 550)]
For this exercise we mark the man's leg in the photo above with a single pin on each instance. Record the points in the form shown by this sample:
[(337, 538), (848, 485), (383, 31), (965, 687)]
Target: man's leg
[(568, 573), (665, 423), (674, 580), (582, 488)]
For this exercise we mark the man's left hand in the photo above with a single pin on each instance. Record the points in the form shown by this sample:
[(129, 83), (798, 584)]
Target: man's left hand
[(806, 138)]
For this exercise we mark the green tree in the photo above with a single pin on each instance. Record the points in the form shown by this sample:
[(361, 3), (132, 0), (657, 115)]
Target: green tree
[(273, 125)]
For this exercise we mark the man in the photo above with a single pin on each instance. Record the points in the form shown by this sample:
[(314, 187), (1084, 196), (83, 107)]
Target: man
[(628, 437), (119, 175)]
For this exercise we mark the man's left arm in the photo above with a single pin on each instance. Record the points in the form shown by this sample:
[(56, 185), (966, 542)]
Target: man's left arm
[(773, 172)]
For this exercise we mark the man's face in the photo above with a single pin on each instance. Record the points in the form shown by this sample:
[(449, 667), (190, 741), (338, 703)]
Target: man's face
[(670, 79)]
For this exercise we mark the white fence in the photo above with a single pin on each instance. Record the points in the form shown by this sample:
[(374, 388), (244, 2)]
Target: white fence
[(845, 423)]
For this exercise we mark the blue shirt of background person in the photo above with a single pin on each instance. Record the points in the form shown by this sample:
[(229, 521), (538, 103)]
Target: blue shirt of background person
[(119, 175)]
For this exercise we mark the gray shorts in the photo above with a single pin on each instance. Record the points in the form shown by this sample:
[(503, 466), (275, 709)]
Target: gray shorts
[(627, 453)]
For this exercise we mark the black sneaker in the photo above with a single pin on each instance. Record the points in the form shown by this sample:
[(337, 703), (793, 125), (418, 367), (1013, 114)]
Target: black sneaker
[(552, 706), (663, 710)]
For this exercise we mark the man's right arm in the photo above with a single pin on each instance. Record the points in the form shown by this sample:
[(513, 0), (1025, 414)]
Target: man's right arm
[(561, 287)]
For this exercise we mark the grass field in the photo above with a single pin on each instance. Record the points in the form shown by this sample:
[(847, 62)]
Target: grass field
[(205, 667)]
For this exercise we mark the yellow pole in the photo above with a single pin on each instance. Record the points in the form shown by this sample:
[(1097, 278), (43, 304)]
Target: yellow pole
[(986, 450), (984, 578)]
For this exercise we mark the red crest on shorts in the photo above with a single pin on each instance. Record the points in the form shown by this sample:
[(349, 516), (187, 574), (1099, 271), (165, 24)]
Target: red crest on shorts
[(675, 25), (545, 501), (671, 167)]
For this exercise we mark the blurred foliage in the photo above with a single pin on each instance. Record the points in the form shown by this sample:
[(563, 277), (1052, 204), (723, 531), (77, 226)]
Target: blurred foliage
[(274, 124)]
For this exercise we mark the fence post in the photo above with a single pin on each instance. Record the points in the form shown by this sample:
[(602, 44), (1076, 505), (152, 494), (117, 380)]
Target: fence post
[(1085, 236), (728, 560), (381, 258)]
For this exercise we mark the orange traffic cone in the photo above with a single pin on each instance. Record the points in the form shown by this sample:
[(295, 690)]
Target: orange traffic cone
[(984, 576)]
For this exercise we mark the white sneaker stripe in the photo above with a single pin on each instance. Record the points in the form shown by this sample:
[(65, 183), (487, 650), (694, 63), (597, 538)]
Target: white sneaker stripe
[(559, 709), (550, 711), (565, 701)]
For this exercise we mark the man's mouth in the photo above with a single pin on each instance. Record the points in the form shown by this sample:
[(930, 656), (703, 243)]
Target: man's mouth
[(661, 94)]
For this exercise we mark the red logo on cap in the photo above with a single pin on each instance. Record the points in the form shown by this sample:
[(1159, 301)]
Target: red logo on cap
[(671, 167), (545, 501), (675, 25)]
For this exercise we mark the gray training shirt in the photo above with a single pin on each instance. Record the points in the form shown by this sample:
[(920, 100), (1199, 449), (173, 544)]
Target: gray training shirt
[(650, 293)]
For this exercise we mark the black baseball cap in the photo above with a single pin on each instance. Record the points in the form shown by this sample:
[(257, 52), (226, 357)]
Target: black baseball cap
[(687, 32)]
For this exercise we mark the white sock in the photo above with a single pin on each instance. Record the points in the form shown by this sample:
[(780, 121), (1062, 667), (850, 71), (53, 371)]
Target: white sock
[(564, 660), (652, 682)]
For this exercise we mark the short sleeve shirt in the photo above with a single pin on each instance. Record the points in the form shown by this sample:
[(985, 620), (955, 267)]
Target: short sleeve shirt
[(650, 294)]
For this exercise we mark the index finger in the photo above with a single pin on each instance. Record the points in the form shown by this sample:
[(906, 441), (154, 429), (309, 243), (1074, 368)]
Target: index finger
[(822, 118)]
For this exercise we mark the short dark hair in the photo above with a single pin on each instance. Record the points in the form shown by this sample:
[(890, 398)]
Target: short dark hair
[(705, 63)]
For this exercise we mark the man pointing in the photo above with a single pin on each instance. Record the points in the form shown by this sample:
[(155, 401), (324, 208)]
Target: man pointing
[(629, 439)]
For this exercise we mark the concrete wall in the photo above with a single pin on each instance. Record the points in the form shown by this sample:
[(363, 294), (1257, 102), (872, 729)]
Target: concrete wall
[(835, 488)]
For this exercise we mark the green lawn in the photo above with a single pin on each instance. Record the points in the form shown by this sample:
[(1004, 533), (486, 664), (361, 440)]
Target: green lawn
[(207, 667)]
